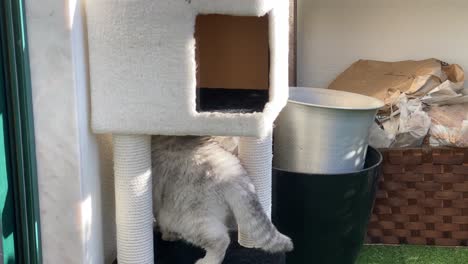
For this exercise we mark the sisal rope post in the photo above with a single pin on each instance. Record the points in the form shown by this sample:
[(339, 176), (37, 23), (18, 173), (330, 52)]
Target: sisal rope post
[(256, 155), (133, 199)]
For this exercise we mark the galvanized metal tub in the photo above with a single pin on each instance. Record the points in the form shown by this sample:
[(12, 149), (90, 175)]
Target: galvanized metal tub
[(323, 131)]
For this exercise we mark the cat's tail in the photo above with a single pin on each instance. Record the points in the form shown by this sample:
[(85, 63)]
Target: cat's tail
[(252, 220)]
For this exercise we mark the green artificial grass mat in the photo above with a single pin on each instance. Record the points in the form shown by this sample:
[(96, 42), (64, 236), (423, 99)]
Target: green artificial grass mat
[(413, 255)]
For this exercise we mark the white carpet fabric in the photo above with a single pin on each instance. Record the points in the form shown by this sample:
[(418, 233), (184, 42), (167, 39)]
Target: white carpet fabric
[(133, 199), (256, 155), (143, 70)]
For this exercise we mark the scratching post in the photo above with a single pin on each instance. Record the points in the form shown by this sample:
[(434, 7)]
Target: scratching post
[(256, 156), (133, 199)]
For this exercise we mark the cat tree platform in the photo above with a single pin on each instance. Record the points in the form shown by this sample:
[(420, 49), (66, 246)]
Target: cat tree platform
[(153, 63), (183, 67)]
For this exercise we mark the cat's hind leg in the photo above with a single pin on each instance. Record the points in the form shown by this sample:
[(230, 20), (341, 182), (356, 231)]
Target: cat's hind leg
[(213, 237)]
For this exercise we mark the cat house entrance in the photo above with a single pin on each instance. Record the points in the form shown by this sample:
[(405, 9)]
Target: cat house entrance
[(233, 63)]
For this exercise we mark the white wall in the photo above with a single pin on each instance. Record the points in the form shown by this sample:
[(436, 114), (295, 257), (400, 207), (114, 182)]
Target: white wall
[(332, 34), (56, 131), (74, 166)]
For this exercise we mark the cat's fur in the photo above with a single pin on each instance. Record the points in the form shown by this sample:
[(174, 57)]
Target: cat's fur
[(197, 186)]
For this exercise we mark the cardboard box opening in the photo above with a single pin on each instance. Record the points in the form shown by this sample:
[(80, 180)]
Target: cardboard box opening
[(233, 63)]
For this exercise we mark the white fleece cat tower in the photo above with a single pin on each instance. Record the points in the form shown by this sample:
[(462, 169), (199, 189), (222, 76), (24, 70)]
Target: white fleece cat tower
[(144, 81)]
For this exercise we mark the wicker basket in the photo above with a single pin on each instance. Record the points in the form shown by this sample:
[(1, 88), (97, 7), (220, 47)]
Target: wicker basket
[(422, 198)]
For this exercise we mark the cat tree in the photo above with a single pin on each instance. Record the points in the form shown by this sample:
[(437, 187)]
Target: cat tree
[(183, 67)]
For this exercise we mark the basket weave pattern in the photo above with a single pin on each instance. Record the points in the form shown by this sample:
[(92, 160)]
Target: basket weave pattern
[(422, 198)]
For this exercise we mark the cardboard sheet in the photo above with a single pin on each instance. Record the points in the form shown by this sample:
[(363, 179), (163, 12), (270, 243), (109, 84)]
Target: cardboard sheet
[(387, 80)]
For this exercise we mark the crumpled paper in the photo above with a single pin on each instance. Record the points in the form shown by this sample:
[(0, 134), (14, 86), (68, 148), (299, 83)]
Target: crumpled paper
[(447, 93), (409, 89), (449, 125)]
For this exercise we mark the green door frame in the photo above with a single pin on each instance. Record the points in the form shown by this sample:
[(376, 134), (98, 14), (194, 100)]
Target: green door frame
[(19, 202)]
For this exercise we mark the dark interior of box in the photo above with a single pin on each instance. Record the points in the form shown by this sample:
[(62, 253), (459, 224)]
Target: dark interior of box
[(233, 63)]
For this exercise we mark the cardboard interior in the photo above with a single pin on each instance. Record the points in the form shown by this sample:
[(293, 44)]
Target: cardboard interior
[(232, 52)]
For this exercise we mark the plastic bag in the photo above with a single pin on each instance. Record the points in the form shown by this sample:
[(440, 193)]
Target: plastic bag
[(406, 127), (380, 138), (413, 124)]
